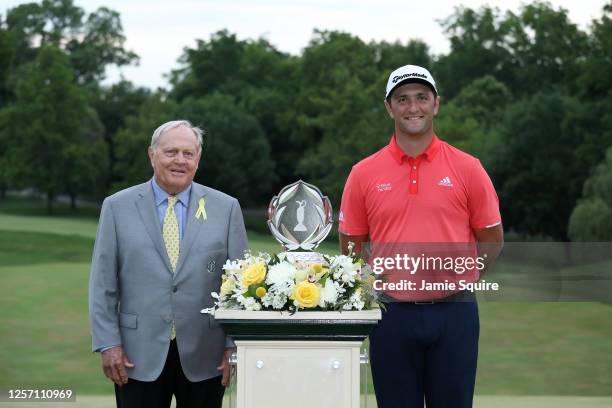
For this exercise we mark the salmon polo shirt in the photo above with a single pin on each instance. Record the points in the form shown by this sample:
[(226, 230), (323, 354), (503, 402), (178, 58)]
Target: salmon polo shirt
[(440, 196)]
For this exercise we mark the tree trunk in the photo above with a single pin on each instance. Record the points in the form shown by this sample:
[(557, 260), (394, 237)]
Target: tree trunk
[(49, 202), (73, 206)]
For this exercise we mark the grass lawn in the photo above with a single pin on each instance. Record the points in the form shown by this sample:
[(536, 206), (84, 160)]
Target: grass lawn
[(526, 348)]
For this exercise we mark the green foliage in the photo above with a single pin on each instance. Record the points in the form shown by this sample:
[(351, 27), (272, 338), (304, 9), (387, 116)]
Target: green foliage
[(102, 44), (91, 44), (54, 125), (114, 105), (236, 155), (539, 48), (591, 220), (595, 80), (132, 164), (53, 54), (478, 48), (341, 116), (260, 80), (535, 170), (527, 92), (390, 56), (353, 124), (468, 121)]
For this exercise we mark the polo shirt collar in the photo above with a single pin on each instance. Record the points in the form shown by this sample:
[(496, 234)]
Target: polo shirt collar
[(161, 195), (398, 154)]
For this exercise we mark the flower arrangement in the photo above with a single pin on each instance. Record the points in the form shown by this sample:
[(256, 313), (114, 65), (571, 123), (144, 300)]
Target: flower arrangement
[(275, 282)]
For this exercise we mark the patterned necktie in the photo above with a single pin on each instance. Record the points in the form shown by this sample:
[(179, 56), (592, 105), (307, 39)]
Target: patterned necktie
[(171, 232)]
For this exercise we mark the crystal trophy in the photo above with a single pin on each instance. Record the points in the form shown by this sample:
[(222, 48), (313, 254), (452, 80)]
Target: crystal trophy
[(299, 218)]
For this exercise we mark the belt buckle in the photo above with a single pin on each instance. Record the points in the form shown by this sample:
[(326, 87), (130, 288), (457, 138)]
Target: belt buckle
[(424, 302)]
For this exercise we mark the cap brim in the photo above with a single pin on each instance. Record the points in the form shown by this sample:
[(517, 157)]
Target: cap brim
[(411, 81)]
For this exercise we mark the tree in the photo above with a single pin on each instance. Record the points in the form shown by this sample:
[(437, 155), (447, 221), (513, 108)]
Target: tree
[(132, 165), (48, 119), (538, 48), (261, 80), (547, 48), (478, 48), (236, 157), (468, 121), (334, 102), (591, 219), (390, 56), (85, 160), (6, 61), (114, 105), (535, 169), (353, 124), (92, 44)]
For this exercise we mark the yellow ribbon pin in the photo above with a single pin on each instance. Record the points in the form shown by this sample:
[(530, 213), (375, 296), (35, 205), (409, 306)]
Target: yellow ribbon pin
[(201, 209)]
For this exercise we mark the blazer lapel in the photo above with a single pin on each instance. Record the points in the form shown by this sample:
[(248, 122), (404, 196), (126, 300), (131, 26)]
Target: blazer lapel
[(148, 214), (193, 226)]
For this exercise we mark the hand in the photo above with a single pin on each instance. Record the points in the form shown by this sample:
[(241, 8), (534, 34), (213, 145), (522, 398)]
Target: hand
[(114, 362), (225, 366)]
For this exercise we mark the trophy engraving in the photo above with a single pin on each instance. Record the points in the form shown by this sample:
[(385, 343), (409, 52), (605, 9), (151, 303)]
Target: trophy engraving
[(299, 218)]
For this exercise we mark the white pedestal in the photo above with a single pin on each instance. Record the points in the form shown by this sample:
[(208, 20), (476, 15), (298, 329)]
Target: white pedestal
[(308, 374), (308, 359)]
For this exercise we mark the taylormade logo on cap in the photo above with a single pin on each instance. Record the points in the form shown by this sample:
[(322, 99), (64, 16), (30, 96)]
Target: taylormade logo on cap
[(412, 74), (407, 72)]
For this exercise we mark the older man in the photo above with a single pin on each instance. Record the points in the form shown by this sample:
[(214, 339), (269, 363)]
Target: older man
[(420, 192), (158, 255)]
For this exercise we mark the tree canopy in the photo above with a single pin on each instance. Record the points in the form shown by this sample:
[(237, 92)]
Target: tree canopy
[(528, 92)]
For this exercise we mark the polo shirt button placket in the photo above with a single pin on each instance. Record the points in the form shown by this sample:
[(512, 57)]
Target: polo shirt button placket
[(414, 175)]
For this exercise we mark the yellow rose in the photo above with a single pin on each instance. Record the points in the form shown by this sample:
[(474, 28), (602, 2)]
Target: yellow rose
[(306, 294), (255, 273), (260, 292), (227, 286)]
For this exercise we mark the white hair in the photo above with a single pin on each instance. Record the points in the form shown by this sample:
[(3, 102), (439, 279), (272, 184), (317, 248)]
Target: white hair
[(174, 124)]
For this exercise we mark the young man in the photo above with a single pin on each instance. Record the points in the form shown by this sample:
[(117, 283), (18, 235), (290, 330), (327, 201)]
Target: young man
[(419, 189)]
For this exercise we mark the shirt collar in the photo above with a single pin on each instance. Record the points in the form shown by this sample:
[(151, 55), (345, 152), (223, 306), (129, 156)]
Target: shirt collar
[(398, 154), (161, 195)]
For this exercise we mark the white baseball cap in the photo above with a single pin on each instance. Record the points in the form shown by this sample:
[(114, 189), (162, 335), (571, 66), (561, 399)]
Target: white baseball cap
[(410, 73)]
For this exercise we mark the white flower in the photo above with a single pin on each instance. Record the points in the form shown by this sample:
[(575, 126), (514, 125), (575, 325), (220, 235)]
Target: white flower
[(329, 293), (279, 301), (227, 287), (356, 300), (344, 269), (281, 279), (301, 274), (249, 303), (280, 273), (232, 267)]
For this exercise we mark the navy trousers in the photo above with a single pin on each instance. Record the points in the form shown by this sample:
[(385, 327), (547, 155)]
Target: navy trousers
[(425, 353)]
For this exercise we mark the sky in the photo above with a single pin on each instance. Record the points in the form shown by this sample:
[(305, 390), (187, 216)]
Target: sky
[(158, 31)]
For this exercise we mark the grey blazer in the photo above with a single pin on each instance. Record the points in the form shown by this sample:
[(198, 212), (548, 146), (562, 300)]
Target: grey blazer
[(133, 294)]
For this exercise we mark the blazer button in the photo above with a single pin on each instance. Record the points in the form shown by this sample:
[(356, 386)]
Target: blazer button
[(174, 289)]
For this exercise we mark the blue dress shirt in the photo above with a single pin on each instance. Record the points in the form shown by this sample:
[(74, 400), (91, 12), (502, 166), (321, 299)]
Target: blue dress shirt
[(180, 208)]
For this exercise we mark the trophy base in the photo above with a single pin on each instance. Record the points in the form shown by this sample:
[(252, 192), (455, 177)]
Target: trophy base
[(303, 256)]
